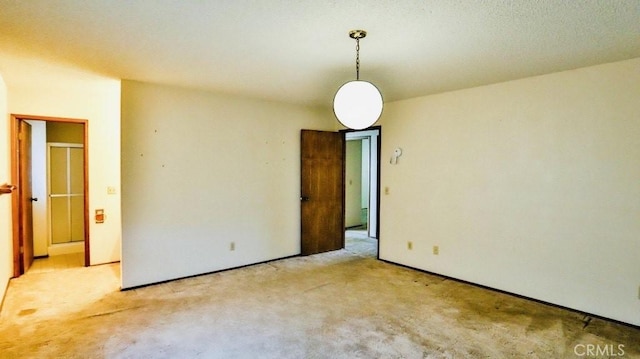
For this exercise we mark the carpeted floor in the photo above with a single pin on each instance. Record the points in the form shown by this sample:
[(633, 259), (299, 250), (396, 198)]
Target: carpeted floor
[(342, 304)]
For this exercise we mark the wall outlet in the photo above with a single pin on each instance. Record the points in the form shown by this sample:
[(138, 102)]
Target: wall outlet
[(436, 250), (386, 190), (111, 190), (232, 246), (409, 245)]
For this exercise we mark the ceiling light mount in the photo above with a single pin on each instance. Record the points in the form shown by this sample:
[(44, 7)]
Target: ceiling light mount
[(357, 34), (357, 104)]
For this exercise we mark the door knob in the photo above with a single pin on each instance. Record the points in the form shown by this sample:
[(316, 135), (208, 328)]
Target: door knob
[(304, 199), (33, 199)]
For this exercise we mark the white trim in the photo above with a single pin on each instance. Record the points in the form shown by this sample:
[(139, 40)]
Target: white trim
[(372, 136)]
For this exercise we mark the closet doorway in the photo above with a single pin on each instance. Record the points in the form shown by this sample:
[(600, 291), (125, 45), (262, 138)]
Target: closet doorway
[(50, 211), (65, 177)]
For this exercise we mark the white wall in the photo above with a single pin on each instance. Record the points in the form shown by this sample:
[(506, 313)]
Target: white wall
[(6, 239), (39, 187), (201, 170), (373, 182), (353, 183), (366, 172), (39, 88), (530, 186)]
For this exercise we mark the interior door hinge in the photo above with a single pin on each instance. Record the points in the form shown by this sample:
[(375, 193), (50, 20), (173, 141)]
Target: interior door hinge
[(21, 136), (21, 250)]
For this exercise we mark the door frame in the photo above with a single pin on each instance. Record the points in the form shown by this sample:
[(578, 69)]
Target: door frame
[(15, 163), (378, 170), (377, 174)]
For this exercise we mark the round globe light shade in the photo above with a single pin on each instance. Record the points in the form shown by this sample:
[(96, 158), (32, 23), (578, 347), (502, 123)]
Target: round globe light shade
[(357, 104)]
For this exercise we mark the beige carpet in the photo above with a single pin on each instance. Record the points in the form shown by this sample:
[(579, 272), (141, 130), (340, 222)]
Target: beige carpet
[(343, 304)]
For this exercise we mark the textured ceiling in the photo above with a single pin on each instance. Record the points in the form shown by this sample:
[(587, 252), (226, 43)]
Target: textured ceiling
[(299, 51)]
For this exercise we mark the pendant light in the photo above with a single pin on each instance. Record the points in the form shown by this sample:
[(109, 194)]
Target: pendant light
[(357, 104)]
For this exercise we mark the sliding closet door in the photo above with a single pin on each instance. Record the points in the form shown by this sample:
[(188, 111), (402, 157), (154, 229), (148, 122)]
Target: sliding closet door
[(66, 181)]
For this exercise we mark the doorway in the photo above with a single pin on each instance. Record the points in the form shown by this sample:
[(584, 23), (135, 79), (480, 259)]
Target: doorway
[(323, 188), (362, 171), (50, 211)]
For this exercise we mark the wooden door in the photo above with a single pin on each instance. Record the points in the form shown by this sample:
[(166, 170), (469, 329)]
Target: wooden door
[(25, 197), (322, 186)]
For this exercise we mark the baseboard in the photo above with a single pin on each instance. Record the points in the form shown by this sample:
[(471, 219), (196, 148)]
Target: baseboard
[(361, 226), (514, 294), (66, 248), (207, 273), (4, 295)]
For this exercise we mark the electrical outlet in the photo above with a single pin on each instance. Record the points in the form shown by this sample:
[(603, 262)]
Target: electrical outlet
[(386, 190), (409, 245), (436, 250), (111, 190), (232, 246), (100, 216)]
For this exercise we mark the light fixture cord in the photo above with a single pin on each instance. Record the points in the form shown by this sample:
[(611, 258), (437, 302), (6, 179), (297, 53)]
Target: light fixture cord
[(357, 58)]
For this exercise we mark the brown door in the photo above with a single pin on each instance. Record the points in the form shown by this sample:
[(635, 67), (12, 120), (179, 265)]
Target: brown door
[(322, 186), (24, 194)]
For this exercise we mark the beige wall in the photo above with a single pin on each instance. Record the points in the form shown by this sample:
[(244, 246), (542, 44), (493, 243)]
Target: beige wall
[(201, 170), (530, 186), (65, 132), (6, 245), (39, 88)]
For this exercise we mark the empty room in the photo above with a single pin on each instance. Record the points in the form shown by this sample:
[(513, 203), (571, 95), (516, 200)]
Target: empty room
[(319, 179)]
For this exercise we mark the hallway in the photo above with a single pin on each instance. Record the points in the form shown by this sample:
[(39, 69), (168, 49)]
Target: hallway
[(53, 263)]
